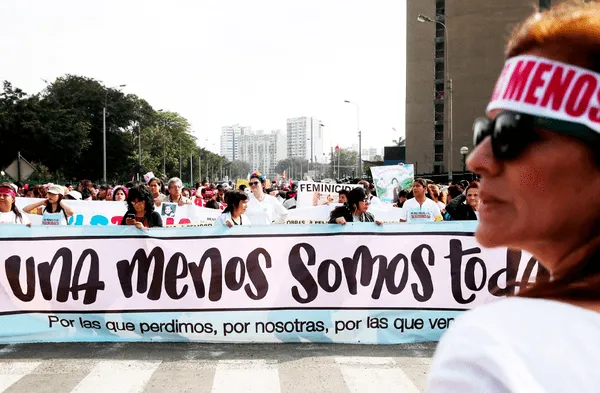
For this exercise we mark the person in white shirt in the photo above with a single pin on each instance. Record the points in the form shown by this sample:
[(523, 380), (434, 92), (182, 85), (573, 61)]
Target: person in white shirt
[(420, 208), (546, 338), (9, 213), (262, 208), (237, 203)]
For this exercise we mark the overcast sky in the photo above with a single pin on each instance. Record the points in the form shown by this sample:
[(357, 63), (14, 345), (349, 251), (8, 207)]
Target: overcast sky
[(224, 62)]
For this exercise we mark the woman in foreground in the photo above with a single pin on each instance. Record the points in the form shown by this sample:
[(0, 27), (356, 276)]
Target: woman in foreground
[(140, 209), (536, 141)]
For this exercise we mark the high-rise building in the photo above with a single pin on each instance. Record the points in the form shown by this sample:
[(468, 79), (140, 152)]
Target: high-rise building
[(230, 140), (262, 151), (370, 153), (305, 139), (470, 52)]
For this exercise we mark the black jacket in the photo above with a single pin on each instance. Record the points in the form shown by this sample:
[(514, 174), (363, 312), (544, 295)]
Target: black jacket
[(344, 211), (459, 211), (154, 219)]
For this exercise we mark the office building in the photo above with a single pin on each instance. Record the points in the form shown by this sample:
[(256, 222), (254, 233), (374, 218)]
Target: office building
[(305, 139), (262, 151), (230, 140), (471, 55)]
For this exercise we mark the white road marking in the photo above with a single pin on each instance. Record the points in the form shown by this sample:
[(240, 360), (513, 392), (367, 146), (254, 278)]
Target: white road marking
[(11, 372), (349, 360), (116, 376), (369, 374), (246, 376)]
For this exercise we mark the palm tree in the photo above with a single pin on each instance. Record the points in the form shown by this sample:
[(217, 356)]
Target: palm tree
[(401, 141)]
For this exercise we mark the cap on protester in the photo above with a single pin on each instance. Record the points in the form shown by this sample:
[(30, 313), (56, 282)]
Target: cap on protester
[(56, 189), (75, 195)]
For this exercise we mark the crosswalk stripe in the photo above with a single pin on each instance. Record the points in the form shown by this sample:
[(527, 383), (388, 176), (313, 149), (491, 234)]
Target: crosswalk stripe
[(11, 372), (374, 375), (116, 376), (246, 376)]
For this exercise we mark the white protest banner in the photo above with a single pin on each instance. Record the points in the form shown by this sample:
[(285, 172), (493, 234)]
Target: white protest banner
[(111, 213), (320, 214), (317, 194), (321, 283), (390, 179)]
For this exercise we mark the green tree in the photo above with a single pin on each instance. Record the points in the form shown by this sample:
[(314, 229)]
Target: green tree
[(343, 163), (239, 169), (295, 167)]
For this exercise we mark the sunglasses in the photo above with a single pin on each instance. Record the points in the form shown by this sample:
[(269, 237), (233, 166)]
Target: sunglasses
[(513, 132), (254, 183)]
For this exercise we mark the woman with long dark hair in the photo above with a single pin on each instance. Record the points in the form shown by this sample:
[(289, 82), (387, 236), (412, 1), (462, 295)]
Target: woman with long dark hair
[(9, 213), (355, 210), (540, 135), (237, 202), (140, 209), (54, 210)]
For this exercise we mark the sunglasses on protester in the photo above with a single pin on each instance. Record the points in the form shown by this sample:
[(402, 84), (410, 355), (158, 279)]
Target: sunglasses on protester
[(254, 183), (513, 132)]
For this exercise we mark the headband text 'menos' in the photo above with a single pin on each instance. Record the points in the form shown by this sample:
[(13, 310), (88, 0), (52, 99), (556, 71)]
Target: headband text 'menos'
[(546, 88)]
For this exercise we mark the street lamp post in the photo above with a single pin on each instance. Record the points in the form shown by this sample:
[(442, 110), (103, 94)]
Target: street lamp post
[(359, 138), (423, 18), (104, 131), (464, 151)]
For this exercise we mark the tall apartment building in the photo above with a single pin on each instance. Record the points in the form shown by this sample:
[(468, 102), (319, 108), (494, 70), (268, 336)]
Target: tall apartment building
[(230, 140), (262, 151), (370, 153), (305, 139), (470, 53)]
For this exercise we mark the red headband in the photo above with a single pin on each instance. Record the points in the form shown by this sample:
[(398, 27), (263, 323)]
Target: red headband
[(8, 191)]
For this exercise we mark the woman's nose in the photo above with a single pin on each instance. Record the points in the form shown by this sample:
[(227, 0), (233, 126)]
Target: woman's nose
[(482, 160)]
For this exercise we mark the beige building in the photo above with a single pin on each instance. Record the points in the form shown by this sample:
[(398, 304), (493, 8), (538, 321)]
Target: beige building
[(476, 33)]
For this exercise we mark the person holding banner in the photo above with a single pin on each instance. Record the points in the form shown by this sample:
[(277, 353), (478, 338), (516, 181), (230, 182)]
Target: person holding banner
[(264, 209), (541, 134), (237, 203), (55, 211), (9, 213), (355, 210), (420, 208), (140, 209)]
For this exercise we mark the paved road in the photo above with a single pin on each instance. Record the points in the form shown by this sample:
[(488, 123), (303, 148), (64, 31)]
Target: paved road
[(213, 368)]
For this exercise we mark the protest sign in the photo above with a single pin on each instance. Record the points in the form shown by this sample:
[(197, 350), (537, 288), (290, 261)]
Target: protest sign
[(240, 182), (318, 194), (390, 179), (358, 283), (111, 213)]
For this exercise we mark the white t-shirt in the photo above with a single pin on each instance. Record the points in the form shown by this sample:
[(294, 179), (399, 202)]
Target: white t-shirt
[(427, 212), (11, 218), (53, 219), (519, 345), (266, 211), (227, 216)]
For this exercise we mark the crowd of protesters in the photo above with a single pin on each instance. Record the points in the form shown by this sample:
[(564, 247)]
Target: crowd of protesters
[(425, 201)]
